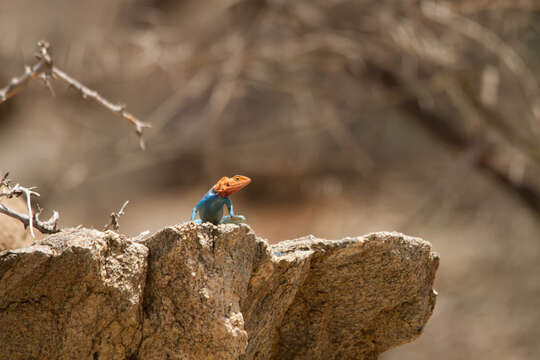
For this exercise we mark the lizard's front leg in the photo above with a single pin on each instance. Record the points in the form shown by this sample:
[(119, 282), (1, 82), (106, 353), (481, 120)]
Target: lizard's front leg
[(194, 214), (232, 218)]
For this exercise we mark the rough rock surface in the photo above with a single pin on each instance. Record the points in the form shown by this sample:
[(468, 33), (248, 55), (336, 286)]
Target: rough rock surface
[(360, 297), (197, 277), (213, 292), (74, 295)]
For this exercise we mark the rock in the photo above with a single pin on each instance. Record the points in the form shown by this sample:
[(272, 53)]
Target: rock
[(13, 235), (76, 294), (213, 292), (197, 276), (360, 297)]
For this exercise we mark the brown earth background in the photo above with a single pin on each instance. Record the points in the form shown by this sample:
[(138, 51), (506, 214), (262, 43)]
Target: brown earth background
[(350, 117)]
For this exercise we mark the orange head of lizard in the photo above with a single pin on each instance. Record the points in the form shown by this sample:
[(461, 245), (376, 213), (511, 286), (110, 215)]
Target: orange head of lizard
[(229, 185)]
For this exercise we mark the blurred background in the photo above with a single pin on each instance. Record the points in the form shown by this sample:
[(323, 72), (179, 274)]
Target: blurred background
[(349, 116)]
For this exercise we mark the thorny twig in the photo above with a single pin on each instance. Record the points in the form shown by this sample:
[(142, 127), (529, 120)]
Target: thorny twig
[(115, 216), (32, 218), (46, 70)]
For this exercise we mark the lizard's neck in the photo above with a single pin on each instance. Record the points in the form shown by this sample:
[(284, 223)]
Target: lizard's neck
[(211, 192)]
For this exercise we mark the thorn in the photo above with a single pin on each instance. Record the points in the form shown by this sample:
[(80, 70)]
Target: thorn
[(4, 179)]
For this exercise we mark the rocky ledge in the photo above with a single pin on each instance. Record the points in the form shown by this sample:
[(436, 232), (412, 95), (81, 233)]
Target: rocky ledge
[(213, 292)]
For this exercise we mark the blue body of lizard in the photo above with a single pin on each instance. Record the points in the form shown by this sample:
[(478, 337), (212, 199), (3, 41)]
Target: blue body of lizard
[(210, 207)]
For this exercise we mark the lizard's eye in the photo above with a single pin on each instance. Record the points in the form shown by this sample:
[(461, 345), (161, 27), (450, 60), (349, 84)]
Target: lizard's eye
[(227, 184), (237, 178)]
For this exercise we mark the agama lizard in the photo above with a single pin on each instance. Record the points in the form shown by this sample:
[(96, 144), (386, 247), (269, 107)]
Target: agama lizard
[(210, 207)]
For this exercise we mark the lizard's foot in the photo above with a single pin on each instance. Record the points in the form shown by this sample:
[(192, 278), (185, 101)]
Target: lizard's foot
[(236, 219)]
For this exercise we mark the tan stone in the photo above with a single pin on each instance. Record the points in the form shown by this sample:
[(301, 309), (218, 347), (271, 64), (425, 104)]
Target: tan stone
[(70, 297), (213, 292)]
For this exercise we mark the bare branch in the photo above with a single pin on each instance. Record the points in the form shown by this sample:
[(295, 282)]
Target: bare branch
[(492, 42), (45, 227), (117, 109), (18, 83), (115, 216), (17, 191), (43, 66), (4, 180), (32, 218), (45, 69)]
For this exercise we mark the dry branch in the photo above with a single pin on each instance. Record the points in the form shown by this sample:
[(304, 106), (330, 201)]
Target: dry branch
[(492, 42), (46, 70), (32, 218), (115, 216)]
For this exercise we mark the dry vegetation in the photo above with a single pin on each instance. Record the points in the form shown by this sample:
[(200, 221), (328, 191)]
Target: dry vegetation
[(350, 116)]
